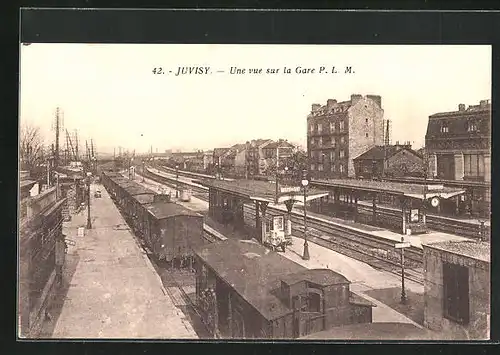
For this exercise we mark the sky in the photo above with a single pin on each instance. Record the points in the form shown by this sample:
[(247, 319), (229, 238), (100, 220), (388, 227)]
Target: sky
[(108, 92)]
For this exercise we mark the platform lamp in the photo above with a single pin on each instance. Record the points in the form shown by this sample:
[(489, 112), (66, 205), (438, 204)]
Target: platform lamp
[(304, 183), (89, 222), (176, 181)]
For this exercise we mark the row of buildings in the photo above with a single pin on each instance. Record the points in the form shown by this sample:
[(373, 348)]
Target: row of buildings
[(350, 139), (257, 157)]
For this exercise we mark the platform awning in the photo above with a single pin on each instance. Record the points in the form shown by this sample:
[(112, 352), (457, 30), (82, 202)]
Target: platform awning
[(262, 191), (432, 194), (391, 188)]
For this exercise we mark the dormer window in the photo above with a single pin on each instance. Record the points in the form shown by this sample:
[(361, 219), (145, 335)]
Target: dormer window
[(471, 126), (444, 128)]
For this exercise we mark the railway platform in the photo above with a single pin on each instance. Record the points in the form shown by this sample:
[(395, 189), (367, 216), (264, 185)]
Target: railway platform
[(111, 289), (416, 240)]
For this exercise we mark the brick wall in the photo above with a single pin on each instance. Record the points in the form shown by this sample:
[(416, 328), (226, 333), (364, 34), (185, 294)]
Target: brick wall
[(366, 129), (405, 163), (479, 296)]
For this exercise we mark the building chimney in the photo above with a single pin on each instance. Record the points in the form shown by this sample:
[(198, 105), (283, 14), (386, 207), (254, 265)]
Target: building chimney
[(461, 107), (330, 103), (375, 98), (315, 107), (355, 98), (483, 103)]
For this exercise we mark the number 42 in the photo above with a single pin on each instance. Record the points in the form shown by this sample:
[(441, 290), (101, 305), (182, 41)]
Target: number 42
[(158, 70)]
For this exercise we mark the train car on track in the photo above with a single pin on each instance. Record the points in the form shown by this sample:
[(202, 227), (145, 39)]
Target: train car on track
[(172, 231), (168, 230)]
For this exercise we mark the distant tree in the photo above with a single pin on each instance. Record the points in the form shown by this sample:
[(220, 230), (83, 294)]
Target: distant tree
[(30, 147)]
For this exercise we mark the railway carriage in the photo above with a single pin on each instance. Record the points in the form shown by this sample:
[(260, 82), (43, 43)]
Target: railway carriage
[(172, 231)]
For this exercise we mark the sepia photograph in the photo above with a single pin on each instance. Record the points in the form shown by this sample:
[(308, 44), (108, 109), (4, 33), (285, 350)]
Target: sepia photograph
[(254, 191)]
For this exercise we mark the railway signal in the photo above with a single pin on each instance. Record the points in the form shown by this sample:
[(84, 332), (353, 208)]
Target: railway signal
[(402, 246)]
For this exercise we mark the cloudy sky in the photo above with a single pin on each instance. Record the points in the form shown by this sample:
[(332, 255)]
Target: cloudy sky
[(110, 94)]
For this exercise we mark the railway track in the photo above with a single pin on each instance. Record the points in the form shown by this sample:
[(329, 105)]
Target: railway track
[(376, 252), (393, 216)]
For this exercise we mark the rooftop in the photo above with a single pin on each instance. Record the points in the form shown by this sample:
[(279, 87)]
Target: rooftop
[(255, 273), (394, 188), (323, 277), (484, 106), (379, 152), (469, 248), (165, 210), (258, 190)]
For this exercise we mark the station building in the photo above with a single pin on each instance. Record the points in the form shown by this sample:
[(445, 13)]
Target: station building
[(338, 132), (457, 289), (244, 290)]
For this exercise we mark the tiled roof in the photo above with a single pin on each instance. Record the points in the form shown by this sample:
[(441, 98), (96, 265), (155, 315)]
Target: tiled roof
[(469, 248), (378, 152)]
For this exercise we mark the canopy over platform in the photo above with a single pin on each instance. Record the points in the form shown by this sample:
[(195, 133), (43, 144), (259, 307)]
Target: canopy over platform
[(263, 191), (393, 188)]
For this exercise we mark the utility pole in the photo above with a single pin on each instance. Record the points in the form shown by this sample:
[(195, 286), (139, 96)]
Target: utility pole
[(76, 146), (57, 128)]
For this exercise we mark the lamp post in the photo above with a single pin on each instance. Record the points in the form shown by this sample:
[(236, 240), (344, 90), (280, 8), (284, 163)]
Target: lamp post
[(143, 165), (177, 181), (89, 222), (305, 182)]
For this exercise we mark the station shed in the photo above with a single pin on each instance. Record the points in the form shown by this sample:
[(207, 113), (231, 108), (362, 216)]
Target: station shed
[(413, 199), (244, 290), (457, 288), (227, 198)]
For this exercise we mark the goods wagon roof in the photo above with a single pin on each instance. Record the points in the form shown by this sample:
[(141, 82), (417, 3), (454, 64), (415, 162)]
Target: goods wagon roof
[(169, 209), (255, 273)]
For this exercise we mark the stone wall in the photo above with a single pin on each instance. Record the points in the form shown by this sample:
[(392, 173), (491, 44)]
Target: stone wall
[(479, 296), (366, 129)]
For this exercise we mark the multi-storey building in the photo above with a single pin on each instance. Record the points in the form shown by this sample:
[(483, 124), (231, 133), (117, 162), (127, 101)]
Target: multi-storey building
[(458, 148), (340, 131), (276, 154), (255, 156), (458, 143)]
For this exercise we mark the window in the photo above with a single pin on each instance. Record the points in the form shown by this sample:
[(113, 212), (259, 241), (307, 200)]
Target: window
[(312, 166), (342, 140), (444, 128), (366, 135), (471, 126), (341, 168), (332, 167), (332, 127), (473, 165), (313, 302), (311, 128), (366, 120), (320, 127), (320, 167), (341, 126), (342, 153), (320, 141), (313, 141), (332, 156), (456, 292)]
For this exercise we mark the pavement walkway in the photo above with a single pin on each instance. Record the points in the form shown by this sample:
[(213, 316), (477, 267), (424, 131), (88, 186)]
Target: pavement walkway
[(114, 291)]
